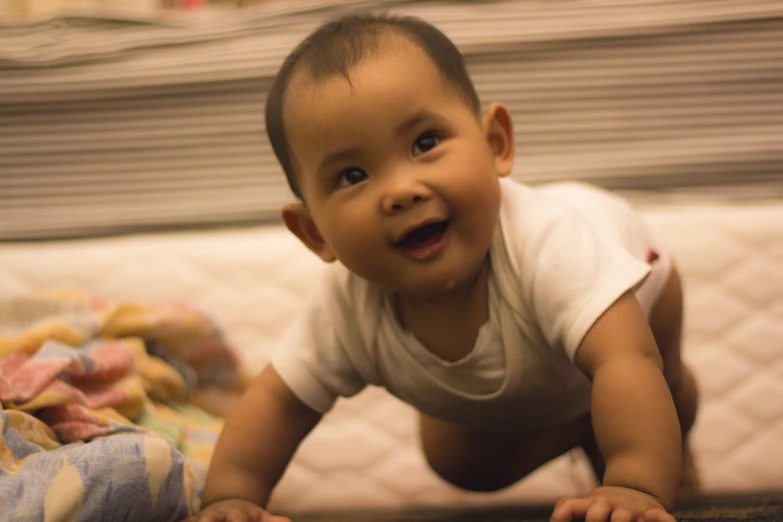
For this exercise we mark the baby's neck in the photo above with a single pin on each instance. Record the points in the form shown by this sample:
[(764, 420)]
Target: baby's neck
[(448, 326)]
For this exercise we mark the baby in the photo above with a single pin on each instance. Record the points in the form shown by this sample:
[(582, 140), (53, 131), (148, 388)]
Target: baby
[(519, 322)]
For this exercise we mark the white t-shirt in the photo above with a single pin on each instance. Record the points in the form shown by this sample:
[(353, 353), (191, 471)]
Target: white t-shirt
[(561, 255)]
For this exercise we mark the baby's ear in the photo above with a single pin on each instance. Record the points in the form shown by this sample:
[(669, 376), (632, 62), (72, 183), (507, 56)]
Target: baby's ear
[(499, 131), (297, 218)]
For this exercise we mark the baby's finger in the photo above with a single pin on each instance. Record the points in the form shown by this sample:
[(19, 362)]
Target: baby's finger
[(568, 509), (622, 515), (206, 517), (236, 515), (275, 518), (656, 515), (599, 510)]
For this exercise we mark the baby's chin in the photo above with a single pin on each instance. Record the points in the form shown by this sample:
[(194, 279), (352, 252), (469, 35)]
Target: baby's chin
[(429, 283), (431, 289)]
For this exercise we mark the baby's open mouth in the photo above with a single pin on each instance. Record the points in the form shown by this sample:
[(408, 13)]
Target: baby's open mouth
[(423, 236)]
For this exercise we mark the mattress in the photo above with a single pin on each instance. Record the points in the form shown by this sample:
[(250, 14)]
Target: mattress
[(365, 453)]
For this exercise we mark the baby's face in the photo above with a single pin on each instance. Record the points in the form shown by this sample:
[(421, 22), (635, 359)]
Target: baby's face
[(396, 172)]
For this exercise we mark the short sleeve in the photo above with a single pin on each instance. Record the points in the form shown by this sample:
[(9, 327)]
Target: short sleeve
[(313, 360), (569, 274)]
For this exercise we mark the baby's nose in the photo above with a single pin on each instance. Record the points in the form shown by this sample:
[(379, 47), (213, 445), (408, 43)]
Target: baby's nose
[(405, 195)]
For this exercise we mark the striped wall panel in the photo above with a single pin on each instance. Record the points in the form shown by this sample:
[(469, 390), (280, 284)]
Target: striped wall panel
[(111, 125)]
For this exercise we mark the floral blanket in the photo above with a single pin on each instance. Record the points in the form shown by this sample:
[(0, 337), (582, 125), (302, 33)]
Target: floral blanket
[(95, 419)]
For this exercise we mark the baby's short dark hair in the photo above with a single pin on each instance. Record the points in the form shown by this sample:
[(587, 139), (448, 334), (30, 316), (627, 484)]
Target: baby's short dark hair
[(341, 44)]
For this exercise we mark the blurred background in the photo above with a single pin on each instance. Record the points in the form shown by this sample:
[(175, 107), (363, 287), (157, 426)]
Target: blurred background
[(144, 114), (120, 117)]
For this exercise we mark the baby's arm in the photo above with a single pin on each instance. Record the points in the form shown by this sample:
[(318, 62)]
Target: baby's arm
[(634, 421), (258, 440)]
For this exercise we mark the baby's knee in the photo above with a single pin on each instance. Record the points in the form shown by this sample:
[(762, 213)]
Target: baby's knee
[(465, 458), (686, 399), (470, 478)]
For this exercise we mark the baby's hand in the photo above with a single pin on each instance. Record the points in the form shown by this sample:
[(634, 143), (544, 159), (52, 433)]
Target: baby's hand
[(234, 510), (611, 503)]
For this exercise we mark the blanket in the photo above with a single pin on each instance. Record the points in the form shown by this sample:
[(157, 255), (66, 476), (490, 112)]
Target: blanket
[(95, 414)]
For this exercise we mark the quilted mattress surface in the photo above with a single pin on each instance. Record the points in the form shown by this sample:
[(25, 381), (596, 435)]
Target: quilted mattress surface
[(365, 452)]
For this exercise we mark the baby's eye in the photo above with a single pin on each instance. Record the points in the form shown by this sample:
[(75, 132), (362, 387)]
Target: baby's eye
[(424, 143), (350, 176)]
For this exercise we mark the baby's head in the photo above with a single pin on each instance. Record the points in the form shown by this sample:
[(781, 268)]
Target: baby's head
[(380, 133), (338, 46)]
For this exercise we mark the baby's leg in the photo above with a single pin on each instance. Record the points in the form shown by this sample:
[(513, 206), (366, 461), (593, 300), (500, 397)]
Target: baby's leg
[(487, 461)]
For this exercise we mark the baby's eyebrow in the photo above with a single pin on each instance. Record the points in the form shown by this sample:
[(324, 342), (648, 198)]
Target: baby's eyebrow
[(338, 157), (416, 119)]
